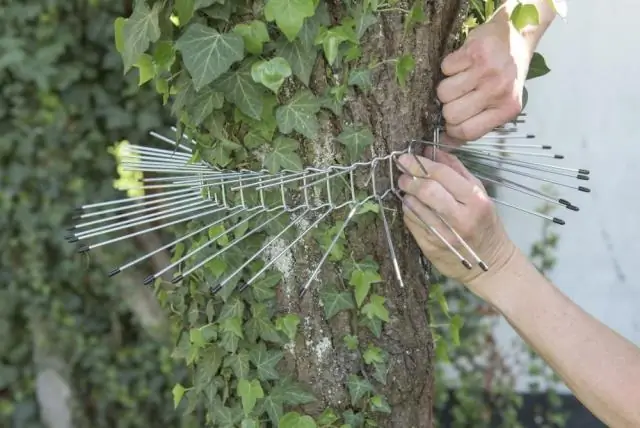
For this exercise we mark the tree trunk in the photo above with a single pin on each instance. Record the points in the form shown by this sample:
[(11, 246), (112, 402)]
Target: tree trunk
[(320, 357)]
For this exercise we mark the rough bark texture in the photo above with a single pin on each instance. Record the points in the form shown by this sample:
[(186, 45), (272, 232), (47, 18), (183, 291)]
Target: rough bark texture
[(319, 357)]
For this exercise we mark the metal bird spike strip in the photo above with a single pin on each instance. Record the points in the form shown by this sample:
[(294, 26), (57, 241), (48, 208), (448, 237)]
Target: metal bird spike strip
[(290, 204)]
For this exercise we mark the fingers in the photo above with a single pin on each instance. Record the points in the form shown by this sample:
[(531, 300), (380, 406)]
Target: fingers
[(484, 76), (430, 193), (478, 125), (449, 180), (456, 62), (451, 161)]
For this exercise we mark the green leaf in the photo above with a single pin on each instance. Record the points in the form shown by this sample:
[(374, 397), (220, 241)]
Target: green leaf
[(351, 342), (415, 16), (283, 156), (404, 66), (177, 392), (164, 55), (437, 293), (288, 324), (146, 69), (249, 392), (232, 325), (203, 105), (249, 423), (365, 264), (327, 418), (254, 34), (233, 308), (356, 140), (185, 9), (380, 371), (376, 309), (456, 324), (272, 404), (537, 67), (299, 114), (364, 20), (240, 89), (332, 38), (372, 355), (524, 15), (289, 15), (295, 420), (362, 281), (300, 58), (118, 26), (379, 404), (361, 77), (261, 323), (226, 417), (292, 393), (239, 363), (334, 301), (207, 54), (358, 388), (266, 362), (271, 73), (353, 420), (263, 288), (140, 30)]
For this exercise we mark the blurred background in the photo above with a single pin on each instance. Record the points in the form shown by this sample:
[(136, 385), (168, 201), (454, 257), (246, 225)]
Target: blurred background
[(74, 345)]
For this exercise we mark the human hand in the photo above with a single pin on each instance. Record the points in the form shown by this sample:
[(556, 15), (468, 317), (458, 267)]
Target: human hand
[(485, 79), (452, 192)]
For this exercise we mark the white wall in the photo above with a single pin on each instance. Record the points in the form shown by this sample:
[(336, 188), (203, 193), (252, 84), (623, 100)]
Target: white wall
[(588, 108)]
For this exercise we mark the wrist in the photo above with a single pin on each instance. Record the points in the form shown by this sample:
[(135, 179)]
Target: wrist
[(507, 287)]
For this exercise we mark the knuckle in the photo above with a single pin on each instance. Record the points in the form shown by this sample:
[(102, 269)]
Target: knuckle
[(480, 51), (449, 113), (512, 107), (426, 192)]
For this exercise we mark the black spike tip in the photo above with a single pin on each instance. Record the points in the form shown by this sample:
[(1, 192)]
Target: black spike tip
[(584, 171), (564, 202), (217, 288), (558, 156), (483, 266), (83, 249), (466, 264), (584, 189), (148, 280), (114, 272), (71, 239), (78, 211), (531, 135), (177, 279), (559, 221), (573, 208), (545, 147), (71, 228), (582, 177)]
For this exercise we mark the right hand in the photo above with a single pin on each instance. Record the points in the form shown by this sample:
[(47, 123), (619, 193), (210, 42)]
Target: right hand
[(460, 198)]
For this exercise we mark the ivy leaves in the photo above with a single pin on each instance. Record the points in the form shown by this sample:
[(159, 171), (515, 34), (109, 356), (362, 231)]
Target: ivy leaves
[(283, 156), (138, 31), (271, 73), (356, 140), (207, 54), (299, 114), (289, 15)]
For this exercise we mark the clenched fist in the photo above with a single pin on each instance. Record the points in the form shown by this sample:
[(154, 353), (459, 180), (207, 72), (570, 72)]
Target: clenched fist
[(485, 77)]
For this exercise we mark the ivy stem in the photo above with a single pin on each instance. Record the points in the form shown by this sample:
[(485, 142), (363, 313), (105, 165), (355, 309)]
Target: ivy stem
[(386, 61), (393, 9)]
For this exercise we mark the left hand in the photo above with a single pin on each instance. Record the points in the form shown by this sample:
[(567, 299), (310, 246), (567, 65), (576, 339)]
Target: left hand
[(485, 80)]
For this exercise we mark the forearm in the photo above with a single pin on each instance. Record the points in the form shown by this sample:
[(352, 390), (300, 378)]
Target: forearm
[(597, 364), (532, 34)]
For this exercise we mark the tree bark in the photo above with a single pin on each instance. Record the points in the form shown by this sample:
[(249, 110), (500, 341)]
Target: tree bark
[(319, 357)]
